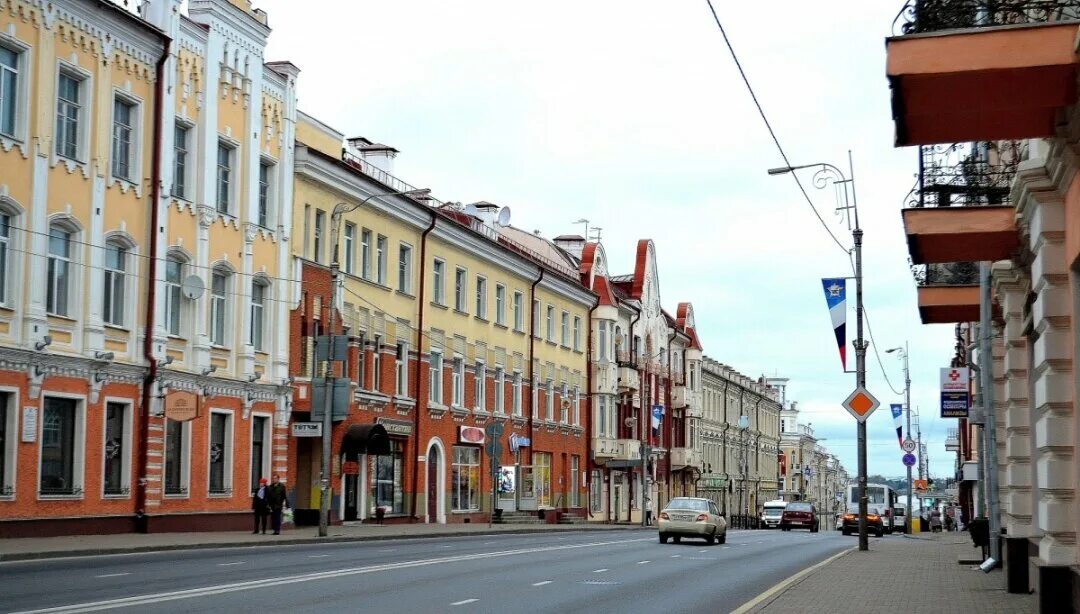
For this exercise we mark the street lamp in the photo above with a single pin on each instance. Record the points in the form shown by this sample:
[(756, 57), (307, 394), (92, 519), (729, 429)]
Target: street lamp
[(340, 209), (826, 174), (907, 403)]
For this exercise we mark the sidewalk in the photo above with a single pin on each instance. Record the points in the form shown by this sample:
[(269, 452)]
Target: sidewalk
[(902, 574), (29, 548)]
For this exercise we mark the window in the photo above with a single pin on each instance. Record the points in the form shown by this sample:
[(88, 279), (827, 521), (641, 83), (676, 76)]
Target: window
[(577, 333), (577, 406), (480, 384), (500, 304), (5, 258), (220, 451), (174, 276), (180, 162), (549, 401), (116, 449), (601, 415), (564, 405), (435, 378), (264, 194), (176, 457), (58, 448), (481, 298), (458, 383), (361, 360), (536, 319), (565, 330), (320, 224), (260, 449), (68, 116), (7, 442), (575, 475), (518, 316), (542, 477), (459, 289), (224, 176), (437, 282), (258, 311), (534, 400), (465, 479), (115, 281), (376, 364), (401, 369), (550, 323), (307, 230), (365, 254), (500, 391), (380, 260), (596, 495), (9, 90), (515, 395), (123, 126), (602, 345), (59, 271), (404, 276), (350, 248), (218, 307), (386, 479)]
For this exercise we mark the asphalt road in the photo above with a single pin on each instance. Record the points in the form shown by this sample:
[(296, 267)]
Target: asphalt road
[(610, 571)]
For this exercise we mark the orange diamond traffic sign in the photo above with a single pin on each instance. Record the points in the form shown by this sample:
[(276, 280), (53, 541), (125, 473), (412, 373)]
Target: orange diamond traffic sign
[(861, 404)]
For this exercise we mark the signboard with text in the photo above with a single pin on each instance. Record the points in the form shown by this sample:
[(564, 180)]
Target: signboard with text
[(955, 397)]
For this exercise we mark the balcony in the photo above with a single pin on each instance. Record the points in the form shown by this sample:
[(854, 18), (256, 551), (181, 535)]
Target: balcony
[(683, 458), (948, 293), (969, 70), (605, 377), (617, 452), (629, 380), (952, 441)]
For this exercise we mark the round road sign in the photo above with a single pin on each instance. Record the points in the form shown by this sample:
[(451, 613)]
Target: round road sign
[(909, 460), (908, 445)]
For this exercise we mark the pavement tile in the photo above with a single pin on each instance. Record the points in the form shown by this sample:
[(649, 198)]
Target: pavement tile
[(914, 574)]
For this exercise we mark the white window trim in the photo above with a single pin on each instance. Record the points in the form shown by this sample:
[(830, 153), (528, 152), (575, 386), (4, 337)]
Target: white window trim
[(185, 461), (230, 276), (407, 289), (11, 453), (435, 385), (365, 253), (192, 160), (380, 263), (518, 306), (576, 333), (549, 320), (438, 283), (12, 293), (348, 248), (230, 427), (516, 394), (267, 313), (499, 383), (86, 90), (125, 463), (268, 444), (271, 193), (235, 176), (500, 307), (480, 386), (183, 304), (549, 401), (137, 127), (22, 96), (71, 226), (457, 382), (131, 279), (461, 295), (403, 365), (78, 464), (481, 297), (564, 329)]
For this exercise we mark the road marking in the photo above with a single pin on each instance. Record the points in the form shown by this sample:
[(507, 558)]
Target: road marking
[(784, 584), (599, 570), (702, 551), (447, 546), (464, 601), (642, 562), (114, 575), (388, 550), (219, 589), (487, 543), (230, 564), (542, 583), (317, 556), (675, 556)]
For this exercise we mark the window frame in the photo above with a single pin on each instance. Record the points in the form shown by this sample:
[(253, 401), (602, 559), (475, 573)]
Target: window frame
[(499, 383), (577, 333), (267, 447), (174, 296), (401, 369), (549, 316), (9, 442), (481, 297), (500, 304), (258, 312), (564, 329), (181, 166), (472, 463), (461, 288), (382, 246), (70, 281), (519, 311), (227, 453), (223, 176), (20, 97), (457, 382), (349, 242), (183, 489), (82, 113), (365, 253), (435, 380), (404, 268), (219, 306), (134, 132), (480, 386), (78, 447), (317, 237), (265, 204), (516, 406), (438, 282), (9, 251), (124, 489), (116, 281)]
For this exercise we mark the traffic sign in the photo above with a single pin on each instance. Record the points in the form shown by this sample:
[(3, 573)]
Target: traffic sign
[(909, 460), (861, 404), (920, 486), (908, 445)]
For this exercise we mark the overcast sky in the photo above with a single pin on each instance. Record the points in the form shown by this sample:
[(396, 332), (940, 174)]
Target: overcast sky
[(631, 114)]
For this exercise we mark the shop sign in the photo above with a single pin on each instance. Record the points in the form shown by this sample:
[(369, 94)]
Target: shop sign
[(307, 429), (181, 406), (29, 424), (401, 428), (472, 434), (507, 479), (955, 397)]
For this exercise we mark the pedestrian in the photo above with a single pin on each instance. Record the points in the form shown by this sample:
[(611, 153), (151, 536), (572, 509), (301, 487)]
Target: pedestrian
[(648, 512), (277, 499), (260, 505)]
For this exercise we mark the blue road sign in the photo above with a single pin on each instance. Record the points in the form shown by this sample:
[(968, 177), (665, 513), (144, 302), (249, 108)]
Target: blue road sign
[(909, 460)]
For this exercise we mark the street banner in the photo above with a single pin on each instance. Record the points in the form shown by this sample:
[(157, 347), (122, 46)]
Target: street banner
[(657, 416), (955, 392), (836, 299), (783, 464), (897, 418)]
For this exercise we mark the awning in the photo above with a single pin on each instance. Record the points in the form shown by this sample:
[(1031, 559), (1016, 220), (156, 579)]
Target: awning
[(364, 439)]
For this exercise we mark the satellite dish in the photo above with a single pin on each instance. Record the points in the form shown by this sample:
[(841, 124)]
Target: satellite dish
[(504, 216), (471, 209), (192, 287)]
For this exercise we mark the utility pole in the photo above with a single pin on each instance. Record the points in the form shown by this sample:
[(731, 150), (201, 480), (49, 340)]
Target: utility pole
[(907, 403)]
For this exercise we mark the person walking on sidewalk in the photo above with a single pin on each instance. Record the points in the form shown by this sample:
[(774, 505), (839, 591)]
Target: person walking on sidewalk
[(276, 498), (260, 505)]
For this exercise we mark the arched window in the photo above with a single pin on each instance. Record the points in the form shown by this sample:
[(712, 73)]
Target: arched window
[(175, 269), (259, 290), (219, 305), (58, 294), (115, 295)]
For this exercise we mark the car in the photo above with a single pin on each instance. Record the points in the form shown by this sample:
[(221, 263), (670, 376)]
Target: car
[(692, 517), (799, 515), (874, 523)]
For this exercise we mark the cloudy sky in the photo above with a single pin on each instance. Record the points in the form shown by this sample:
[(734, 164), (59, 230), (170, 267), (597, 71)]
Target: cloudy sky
[(631, 114)]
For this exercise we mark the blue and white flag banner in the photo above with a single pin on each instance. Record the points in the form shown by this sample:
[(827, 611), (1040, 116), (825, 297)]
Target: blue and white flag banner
[(897, 417), (836, 299), (657, 416)]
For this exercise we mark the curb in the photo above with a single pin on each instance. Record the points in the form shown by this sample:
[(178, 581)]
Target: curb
[(772, 594), (293, 541)]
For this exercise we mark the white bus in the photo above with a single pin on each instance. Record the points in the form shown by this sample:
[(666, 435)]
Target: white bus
[(772, 511), (880, 500)]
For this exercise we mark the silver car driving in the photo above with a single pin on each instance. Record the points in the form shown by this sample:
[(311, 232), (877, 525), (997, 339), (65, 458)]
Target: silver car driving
[(692, 517)]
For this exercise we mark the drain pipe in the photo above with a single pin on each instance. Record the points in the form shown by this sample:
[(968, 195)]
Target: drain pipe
[(421, 403), (588, 417), (534, 321), (986, 352)]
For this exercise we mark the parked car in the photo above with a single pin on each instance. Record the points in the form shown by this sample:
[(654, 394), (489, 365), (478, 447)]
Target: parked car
[(692, 517), (874, 523), (799, 515)]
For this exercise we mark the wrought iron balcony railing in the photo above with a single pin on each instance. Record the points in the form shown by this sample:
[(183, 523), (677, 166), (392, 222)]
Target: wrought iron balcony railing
[(946, 274), (921, 16), (965, 174)]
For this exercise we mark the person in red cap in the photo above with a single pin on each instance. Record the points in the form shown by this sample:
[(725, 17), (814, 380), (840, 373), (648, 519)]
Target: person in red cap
[(260, 505)]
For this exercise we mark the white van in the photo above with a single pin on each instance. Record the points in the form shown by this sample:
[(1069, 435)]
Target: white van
[(772, 512)]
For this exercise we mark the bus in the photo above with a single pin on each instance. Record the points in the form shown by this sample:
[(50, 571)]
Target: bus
[(880, 500)]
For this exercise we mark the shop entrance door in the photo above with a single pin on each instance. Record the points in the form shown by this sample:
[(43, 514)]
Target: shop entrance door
[(527, 501), (352, 497)]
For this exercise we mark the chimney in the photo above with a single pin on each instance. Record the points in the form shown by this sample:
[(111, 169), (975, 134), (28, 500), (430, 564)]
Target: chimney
[(487, 212), (572, 244), (378, 155)]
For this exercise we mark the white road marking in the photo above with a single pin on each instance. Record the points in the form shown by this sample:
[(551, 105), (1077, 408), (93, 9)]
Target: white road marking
[(219, 589), (599, 570), (464, 601), (642, 562), (317, 556), (675, 556), (542, 583), (447, 546), (388, 550), (702, 550), (487, 543), (230, 564), (114, 575)]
